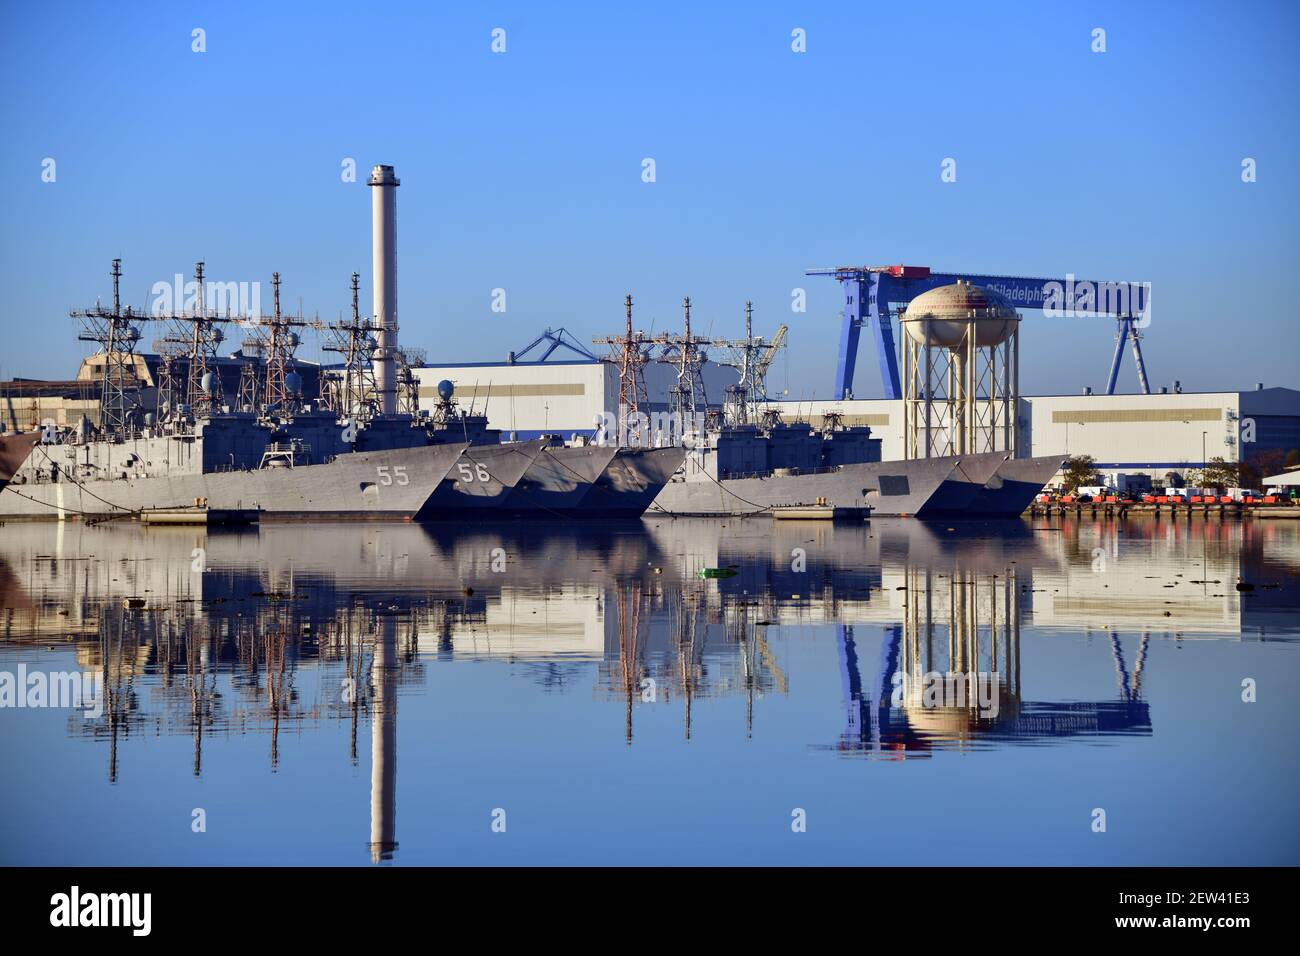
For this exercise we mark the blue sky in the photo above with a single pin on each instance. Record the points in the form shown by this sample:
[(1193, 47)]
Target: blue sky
[(522, 170)]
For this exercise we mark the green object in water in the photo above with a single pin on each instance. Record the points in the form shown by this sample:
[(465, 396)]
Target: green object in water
[(717, 572)]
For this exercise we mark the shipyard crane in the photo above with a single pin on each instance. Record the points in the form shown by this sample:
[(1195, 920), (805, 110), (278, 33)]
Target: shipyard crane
[(870, 290), (765, 362), (553, 339)]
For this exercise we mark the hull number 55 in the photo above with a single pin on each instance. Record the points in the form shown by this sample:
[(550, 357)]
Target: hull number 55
[(394, 475)]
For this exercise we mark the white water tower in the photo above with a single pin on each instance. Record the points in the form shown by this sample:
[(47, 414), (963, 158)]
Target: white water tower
[(961, 372)]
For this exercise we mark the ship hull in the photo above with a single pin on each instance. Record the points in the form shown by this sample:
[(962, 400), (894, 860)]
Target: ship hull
[(629, 483), (892, 488), (969, 478), (1014, 486), (367, 485), (481, 480), (557, 482)]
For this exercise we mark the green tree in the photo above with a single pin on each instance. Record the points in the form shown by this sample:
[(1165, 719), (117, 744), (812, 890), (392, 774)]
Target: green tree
[(1219, 473), (1078, 471)]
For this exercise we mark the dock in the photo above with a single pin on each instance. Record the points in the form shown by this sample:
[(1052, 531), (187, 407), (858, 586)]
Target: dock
[(820, 513), (199, 515), (1123, 509)]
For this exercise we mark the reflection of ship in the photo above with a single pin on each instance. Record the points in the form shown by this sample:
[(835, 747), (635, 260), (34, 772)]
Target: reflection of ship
[(14, 450), (274, 641)]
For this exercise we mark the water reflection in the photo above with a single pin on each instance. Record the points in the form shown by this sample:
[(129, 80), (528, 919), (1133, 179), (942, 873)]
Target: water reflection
[(293, 629)]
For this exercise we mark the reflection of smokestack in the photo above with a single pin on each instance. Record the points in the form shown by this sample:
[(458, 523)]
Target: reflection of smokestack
[(383, 744), (383, 243)]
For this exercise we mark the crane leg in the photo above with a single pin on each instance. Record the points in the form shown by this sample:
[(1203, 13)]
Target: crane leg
[(1120, 335), (850, 333), (1137, 358), (855, 705), (877, 308)]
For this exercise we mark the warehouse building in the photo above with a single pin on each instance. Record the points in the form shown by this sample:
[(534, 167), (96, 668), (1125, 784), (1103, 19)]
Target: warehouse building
[(564, 398), (27, 403)]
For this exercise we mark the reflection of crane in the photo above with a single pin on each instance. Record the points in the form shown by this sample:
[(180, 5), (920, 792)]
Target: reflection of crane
[(876, 725)]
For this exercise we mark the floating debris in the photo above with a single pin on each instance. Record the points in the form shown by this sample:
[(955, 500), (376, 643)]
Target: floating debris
[(717, 572)]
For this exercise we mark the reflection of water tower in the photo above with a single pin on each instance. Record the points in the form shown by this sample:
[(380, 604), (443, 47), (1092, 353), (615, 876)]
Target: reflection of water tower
[(961, 372), (961, 646)]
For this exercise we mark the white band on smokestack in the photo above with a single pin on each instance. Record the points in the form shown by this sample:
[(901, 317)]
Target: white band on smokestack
[(383, 263)]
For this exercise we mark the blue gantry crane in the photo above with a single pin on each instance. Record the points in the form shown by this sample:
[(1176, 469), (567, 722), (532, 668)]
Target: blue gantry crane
[(549, 341), (869, 291)]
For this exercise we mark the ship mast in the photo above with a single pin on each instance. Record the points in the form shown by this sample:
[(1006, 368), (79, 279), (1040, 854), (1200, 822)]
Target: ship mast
[(115, 333), (358, 394), (629, 353)]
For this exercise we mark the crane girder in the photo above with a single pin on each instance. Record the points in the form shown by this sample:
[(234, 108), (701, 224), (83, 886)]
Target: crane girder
[(869, 291)]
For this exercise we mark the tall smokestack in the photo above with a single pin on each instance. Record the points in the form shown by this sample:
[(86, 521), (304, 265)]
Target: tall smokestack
[(383, 263)]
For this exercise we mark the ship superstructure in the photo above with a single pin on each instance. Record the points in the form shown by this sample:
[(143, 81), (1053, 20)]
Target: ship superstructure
[(360, 448)]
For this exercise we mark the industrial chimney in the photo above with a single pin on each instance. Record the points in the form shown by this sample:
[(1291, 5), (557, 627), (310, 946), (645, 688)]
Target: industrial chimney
[(383, 263)]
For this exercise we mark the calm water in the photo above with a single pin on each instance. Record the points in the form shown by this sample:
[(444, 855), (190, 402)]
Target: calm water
[(916, 693)]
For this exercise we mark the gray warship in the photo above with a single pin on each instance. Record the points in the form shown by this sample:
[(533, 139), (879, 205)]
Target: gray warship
[(224, 462), (743, 459), (540, 478), (364, 450), (755, 469)]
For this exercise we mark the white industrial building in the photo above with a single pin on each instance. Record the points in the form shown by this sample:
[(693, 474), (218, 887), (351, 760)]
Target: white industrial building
[(1152, 435), (556, 397), (1143, 434)]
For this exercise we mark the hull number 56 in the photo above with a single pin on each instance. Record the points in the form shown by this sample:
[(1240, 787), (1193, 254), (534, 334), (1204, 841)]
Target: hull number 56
[(479, 471)]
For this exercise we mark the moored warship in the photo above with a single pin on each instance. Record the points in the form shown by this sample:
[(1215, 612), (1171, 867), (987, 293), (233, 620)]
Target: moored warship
[(354, 454), (961, 352), (224, 462), (756, 471)]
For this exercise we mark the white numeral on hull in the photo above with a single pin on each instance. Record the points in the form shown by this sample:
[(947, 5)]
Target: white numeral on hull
[(478, 472)]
